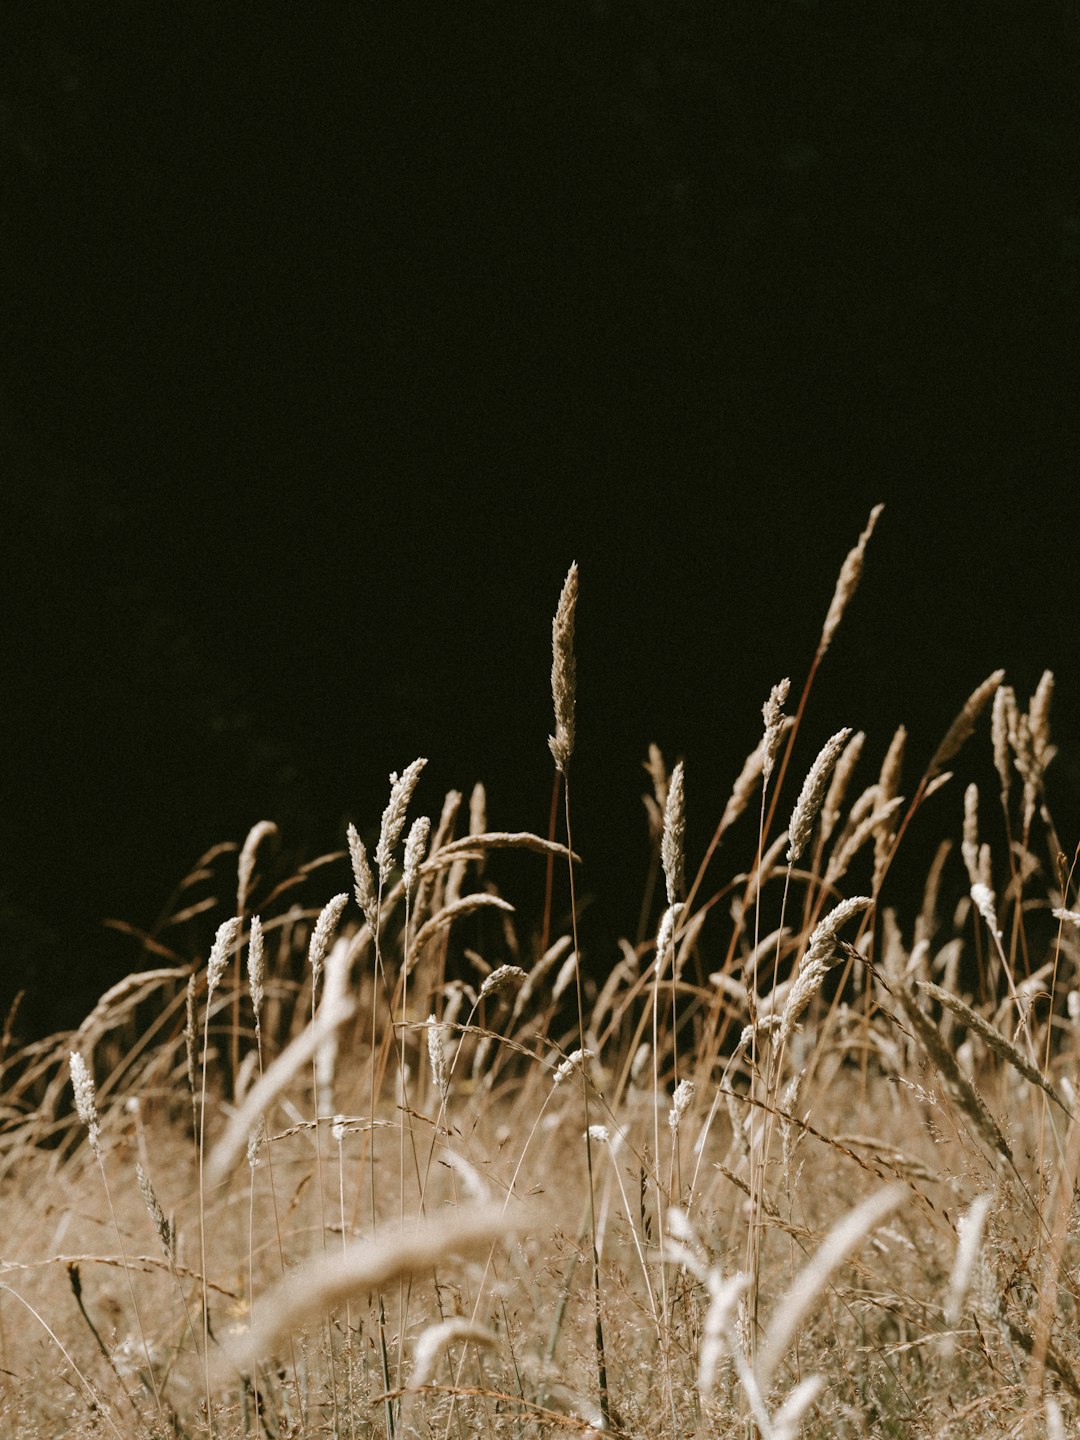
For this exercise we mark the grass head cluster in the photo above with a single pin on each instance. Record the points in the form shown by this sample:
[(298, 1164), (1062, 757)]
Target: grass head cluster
[(391, 1158)]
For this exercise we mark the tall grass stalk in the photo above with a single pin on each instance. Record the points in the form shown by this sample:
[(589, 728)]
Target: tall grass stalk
[(561, 744)]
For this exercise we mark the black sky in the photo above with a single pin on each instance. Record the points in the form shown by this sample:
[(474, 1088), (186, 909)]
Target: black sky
[(331, 337)]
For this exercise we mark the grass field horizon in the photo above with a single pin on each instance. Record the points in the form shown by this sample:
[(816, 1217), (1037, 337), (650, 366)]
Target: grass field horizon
[(384, 1159)]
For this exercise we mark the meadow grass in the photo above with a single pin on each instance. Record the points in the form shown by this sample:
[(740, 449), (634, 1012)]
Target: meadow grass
[(795, 1164)]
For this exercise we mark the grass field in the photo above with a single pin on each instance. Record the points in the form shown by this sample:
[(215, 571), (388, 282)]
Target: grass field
[(796, 1165)]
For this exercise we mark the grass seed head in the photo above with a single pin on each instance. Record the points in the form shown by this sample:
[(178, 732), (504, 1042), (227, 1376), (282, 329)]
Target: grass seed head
[(85, 1102), (847, 583), (962, 728), (256, 968), (671, 846), (436, 1048), (772, 713), (570, 1064), (393, 820), (680, 1103), (224, 941), (415, 846), (164, 1228), (564, 672), (504, 978), (1002, 725), (366, 894), (245, 869), (812, 795), (323, 933)]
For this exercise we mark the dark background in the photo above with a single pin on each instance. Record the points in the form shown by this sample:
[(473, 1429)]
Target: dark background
[(332, 334)]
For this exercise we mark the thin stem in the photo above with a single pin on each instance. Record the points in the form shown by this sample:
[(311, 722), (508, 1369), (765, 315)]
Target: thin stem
[(601, 1363)]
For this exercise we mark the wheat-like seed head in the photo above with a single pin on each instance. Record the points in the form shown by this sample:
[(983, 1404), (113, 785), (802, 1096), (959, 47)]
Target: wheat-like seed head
[(256, 968), (564, 672), (570, 1064), (850, 843), (436, 1048), (969, 845), (838, 785), (822, 954), (1039, 719), (245, 868), (85, 1102), (323, 933), (772, 713), (812, 795), (481, 900), (334, 998), (986, 903), (941, 1056), (680, 1103), (993, 1039), (564, 979), (718, 1336), (478, 817), (415, 845), (393, 820), (224, 941), (671, 846), (1002, 724), (657, 772), (787, 1422), (961, 729), (665, 936), (164, 1228), (364, 880), (847, 583), (255, 1142), (888, 786)]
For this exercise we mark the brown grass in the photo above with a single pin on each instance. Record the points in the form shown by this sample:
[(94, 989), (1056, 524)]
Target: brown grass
[(825, 1191)]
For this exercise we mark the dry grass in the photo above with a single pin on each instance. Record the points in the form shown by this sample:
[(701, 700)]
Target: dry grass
[(755, 1178)]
